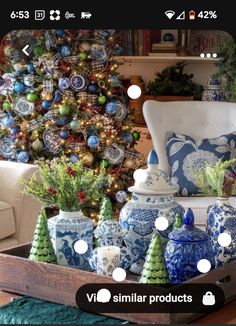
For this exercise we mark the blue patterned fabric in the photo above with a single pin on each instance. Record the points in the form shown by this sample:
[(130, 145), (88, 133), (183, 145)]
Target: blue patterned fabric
[(186, 154)]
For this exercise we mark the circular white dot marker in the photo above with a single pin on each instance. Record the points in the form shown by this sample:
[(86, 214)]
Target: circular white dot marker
[(103, 295), (224, 239), (81, 247), (202, 55), (161, 223), (134, 91), (214, 55), (203, 265), (140, 175), (119, 274), (208, 55)]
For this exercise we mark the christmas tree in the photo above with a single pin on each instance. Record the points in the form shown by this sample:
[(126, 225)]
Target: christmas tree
[(66, 99), (154, 269), (106, 211), (42, 248), (178, 221)]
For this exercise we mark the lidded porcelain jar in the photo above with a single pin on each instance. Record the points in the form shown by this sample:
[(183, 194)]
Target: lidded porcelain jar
[(151, 197), (213, 91), (187, 245), (221, 219)]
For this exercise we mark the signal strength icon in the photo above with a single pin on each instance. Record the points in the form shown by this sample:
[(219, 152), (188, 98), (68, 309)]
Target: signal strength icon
[(169, 13)]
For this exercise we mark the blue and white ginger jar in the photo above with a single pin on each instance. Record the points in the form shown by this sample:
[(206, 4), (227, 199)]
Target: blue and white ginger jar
[(109, 233), (67, 228), (186, 246), (221, 217), (213, 91), (150, 199)]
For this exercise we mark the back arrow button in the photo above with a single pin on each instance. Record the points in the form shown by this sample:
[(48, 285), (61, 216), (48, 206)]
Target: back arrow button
[(24, 50)]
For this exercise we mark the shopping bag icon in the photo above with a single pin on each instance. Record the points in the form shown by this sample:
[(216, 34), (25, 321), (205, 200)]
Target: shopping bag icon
[(208, 299)]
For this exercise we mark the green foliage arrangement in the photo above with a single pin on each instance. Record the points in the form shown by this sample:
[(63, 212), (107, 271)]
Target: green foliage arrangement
[(174, 81), (68, 186), (226, 66), (213, 181)]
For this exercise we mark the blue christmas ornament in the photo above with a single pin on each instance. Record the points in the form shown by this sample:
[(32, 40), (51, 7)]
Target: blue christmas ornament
[(92, 88), (93, 141), (74, 158), (30, 68), (64, 134), (127, 136), (121, 196), (23, 157), (19, 87), (8, 121), (62, 121), (14, 130), (64, 83), (46, 104), (65, 51), (57, 96), (60, 32), (111, 108)]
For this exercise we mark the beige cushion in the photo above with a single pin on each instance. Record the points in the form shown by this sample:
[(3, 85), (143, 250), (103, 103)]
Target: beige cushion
[(8, 243), (199, 206), (7, 221)]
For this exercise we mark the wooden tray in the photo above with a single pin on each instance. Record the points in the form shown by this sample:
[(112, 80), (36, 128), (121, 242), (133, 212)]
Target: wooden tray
[(59, 284)]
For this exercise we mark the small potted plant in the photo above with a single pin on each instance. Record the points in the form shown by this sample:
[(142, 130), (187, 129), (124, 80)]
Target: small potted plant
[(217, 180), (173, 83), (69, 187)]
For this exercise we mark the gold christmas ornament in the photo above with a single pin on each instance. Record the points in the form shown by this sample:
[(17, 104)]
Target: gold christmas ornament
[(37, 145), (88, 159), (129, 163)]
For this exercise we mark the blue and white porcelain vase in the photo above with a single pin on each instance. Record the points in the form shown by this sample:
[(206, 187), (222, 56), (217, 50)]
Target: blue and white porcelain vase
[(213, 91), (151, 198), (221, 217), (186, 246), (67, 228)]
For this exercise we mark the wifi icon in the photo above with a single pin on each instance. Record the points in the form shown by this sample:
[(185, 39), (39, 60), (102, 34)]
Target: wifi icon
[(169, 13)]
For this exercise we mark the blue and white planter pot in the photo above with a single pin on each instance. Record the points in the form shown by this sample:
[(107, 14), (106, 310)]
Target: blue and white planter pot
[(138, 218), (67, 228), (126, 259), (221, 217), (186, 246)]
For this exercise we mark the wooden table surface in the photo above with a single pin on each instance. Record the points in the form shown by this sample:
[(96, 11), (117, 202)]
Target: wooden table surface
[(226, 315)]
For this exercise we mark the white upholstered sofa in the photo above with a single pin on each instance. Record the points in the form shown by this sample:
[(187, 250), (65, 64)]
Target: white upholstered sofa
[(198, 119), (18, 211)]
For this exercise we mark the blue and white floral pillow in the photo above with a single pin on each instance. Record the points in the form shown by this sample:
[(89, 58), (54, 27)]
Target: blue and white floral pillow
[(185, 154)]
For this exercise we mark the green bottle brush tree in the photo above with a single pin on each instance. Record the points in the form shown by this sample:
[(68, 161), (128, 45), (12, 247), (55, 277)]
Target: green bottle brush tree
[(154, 269), (42, 248)]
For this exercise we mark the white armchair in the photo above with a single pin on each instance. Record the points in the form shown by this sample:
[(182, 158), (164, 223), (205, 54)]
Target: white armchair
[(18, 211), (198, 119)]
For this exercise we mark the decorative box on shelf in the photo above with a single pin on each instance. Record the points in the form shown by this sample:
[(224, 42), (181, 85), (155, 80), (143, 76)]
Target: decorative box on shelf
[(60, 284)]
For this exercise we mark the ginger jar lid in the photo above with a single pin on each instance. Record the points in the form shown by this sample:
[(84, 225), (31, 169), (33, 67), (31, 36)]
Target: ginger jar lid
[(152, 181), (108, 227), (188, 232)]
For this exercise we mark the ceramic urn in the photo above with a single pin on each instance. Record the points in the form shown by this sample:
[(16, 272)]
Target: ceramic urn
[(151, 198)]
